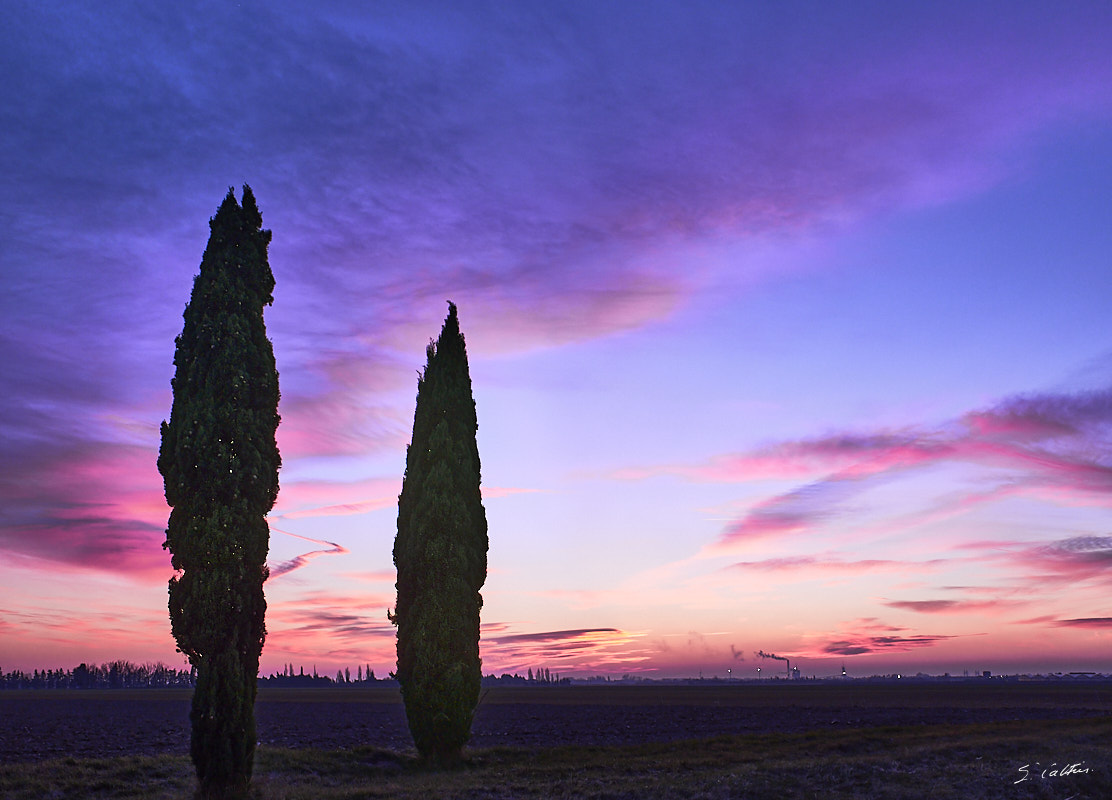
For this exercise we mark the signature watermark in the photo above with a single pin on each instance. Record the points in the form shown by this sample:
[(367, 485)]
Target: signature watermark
[(1037, 771)]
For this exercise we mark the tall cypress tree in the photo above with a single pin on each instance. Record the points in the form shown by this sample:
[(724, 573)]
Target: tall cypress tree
[(441, 555), (220, 461)]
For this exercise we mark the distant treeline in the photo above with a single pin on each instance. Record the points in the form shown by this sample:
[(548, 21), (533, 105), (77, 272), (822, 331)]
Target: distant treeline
[(291, 677), (295, 677), (116, 675), (126, 675), (541, 676)]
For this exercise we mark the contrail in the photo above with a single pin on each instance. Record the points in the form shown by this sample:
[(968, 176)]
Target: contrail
[(304, 558)]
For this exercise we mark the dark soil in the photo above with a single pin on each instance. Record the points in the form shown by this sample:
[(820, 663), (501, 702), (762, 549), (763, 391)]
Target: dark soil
[(40, 725)]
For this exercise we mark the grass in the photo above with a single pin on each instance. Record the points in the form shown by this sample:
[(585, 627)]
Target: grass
[(970, 762)]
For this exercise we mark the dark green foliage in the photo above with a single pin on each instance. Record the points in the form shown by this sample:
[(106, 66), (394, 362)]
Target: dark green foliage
[(441, 555), (220, 463)]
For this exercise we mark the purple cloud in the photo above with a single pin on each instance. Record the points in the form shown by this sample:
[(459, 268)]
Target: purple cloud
[(1067, 561), (1089, 622), (829, 564), (552, 636), (581, 649), (1049, 444), (871, 636), (880, 644), (321, 619), (84, 507), (952, 606)]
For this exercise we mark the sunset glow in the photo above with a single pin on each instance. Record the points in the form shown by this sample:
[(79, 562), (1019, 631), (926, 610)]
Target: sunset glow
[(787, 323)]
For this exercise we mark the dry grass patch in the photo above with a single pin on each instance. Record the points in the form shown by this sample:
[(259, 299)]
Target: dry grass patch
[(950, 762)]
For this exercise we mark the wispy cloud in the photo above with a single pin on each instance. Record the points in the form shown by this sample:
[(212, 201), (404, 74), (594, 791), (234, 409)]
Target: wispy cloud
[(1071, 561), (301, 499), (376, 576), (101, 628), (312, 499), (869, 636), (1089, 622), (495, 492), (953, 606), (578, 649), (817, 565), (1045, 446), (333, 626), (861, 645), (583, 636), (85, 506)]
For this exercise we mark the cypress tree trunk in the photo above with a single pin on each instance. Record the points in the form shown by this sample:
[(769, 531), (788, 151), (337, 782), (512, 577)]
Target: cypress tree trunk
[(441, 555), (220, 461)]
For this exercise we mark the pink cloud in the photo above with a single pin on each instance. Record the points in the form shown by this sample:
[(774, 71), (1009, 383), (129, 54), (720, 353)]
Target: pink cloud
[(806, 458), (823, 564), (342, 509), (303, 499), (869, 636), (627, 300), (789, 513), (87, 507), (879, 644), (41, 632), (789, 563), (310, 499), (1049, 445), (1089, 622), (953, 606), (1014, 426), (376, 576), (579, 636), (1043, 416), (332, 400), (1066, 561), (579, 650), (495, 492), (116, 624), (337, 424), (331, 627)]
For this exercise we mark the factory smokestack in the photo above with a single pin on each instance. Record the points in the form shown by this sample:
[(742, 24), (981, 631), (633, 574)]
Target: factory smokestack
[(763, 654)]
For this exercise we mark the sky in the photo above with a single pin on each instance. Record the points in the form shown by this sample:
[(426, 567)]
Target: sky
[(787, 322)]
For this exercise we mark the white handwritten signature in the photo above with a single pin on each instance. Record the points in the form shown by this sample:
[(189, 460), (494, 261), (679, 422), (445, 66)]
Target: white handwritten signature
[(1053, 771)]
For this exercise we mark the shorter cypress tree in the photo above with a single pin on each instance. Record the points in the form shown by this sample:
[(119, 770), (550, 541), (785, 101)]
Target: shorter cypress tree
[(441, 555)]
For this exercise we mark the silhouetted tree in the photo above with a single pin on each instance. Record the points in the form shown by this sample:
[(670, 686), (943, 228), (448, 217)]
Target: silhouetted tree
[(441, 555), (220, 463)]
